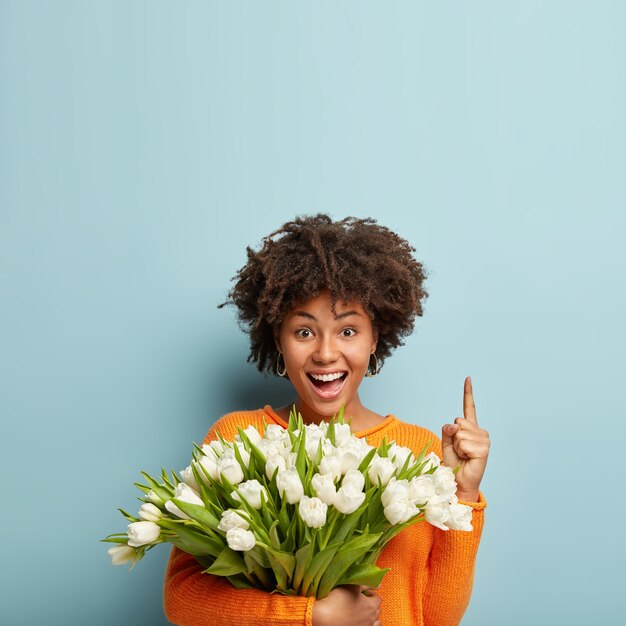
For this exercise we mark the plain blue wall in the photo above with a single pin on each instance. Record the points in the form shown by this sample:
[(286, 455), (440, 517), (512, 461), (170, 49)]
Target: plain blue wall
[(143, 145)]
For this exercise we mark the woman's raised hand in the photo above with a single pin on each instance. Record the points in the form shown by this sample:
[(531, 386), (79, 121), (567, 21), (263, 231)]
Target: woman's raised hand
[(465, 444), (348, 605)]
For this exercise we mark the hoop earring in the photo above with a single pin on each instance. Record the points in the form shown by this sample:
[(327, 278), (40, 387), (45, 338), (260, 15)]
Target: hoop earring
[(369, 372), (284, 372)]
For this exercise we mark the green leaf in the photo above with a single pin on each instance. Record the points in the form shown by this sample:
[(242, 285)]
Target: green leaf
[(287, 560), (274, 538), (318, 565), (128, 516), (116, 538), (193, 541), (239, 582), (263, 574), (363, 574), (348, 554), (198, 513), (301, 456), (302, 557), (228, 563), (255, 453), (366, 461)]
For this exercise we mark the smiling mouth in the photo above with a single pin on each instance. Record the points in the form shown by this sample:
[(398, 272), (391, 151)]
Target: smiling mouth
[(327, 388)]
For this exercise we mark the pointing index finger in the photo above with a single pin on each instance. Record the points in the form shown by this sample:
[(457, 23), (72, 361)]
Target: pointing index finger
[(469, 408)]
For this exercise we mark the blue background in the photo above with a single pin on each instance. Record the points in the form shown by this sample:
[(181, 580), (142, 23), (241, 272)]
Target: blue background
[(143, 145)]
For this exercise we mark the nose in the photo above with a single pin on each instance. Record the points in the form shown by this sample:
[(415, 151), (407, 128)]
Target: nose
[(325, 350)]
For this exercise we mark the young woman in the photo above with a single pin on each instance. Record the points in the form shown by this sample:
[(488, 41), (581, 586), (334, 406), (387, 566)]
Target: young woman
[(325, 303)]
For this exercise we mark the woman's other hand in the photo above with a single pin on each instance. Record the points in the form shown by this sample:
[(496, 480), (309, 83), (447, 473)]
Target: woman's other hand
[(348, 605), (465, 444)]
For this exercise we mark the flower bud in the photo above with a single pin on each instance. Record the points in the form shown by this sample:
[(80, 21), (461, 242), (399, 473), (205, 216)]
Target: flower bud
[(229, 467), (150, 513), (289, 485), (142, 533), (400, 511), (445, 482), (156, 499), (185, 493), (460, 517), (394, 491), (240, 539), (421, 488), (121, 553), (330, 466), (324, 488), (251, 490), (437, 511), (231, 519), (348, 499), (189, 478), (355, 479), (312, 511), (380, 469)]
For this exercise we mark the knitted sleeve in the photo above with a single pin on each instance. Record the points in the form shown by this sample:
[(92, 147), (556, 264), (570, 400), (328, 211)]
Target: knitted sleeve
[(450, 572), (192, 598)]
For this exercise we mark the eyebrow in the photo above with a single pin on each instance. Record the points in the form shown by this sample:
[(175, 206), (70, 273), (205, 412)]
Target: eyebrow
[(338, 317)]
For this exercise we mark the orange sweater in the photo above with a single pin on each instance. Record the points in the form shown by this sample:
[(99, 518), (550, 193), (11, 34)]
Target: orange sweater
[(429, 584)]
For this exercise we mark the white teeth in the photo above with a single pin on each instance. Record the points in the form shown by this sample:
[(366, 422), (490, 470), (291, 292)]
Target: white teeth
[(327, 377)]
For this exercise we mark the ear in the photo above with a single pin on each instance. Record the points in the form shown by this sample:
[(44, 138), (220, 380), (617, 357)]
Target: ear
[(277, 340), (375, 343)]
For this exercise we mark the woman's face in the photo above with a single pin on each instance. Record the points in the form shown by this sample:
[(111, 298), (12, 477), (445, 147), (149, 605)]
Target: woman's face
[(317, 345)]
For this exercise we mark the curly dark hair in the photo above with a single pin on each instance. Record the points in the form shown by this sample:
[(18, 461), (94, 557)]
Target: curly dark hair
[(355, 259)]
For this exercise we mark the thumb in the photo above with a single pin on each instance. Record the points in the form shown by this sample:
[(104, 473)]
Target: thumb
[(447, 433)]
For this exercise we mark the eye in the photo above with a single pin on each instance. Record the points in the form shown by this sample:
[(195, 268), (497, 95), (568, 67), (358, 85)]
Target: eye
[(304, 333), (348, 332)]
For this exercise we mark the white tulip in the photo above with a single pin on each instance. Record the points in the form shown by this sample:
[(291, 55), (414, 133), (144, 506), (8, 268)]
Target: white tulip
[(121, 553), (380, 468), (150, 513), (142, 533), (253, 435), (153, 497), (400, 511), (231, 519), (460, 517), (251, 491), (400, 454), (342, 434), (348, 457), (422, 488), (431, 460), (185, 493), (189, 478), (324, 488), (289, 485), (311, 447), (229, 468), (215, 449), (245, 455), (354, 479), (437, 511), (207, 465), (330, 466), (348, 499), (395, 491), (445, 483), (209, 452), (313, 511), (273, 462), (274, 432), (240, 539)]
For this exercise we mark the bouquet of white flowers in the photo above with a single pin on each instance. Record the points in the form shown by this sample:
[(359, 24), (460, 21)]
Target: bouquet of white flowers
[(298, 510)]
